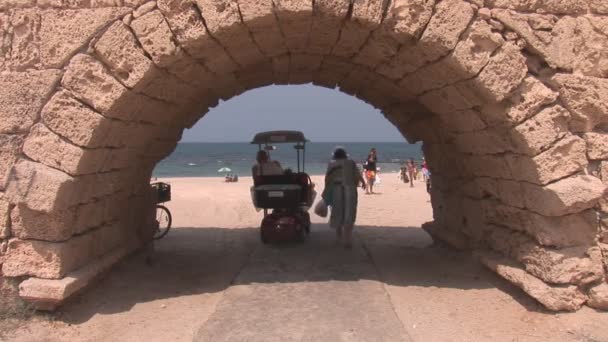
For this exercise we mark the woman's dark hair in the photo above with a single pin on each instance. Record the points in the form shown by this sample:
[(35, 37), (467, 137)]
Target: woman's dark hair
[(340, 153)]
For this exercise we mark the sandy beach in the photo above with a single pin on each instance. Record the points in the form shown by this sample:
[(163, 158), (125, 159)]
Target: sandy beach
[(211, 279), (211, 202)]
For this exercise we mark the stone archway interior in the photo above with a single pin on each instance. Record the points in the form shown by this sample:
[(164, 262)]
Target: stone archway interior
[(508, 98)]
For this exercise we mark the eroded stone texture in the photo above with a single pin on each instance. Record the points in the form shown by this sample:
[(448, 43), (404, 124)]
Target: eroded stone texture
[(442, 33), (53, 260), (10, 147), (261, 21), (365, 16), (5, 229), (598, 297), (403, 23), (295, 20), (187, 24), (79, 124), (509, 98), (567, 196), (568, 298), (64, 32), (22, 94), (597, 145), (566, 231), (157, 40), (573, 43), (586, 98), (564, 158), (91, 83), (466, 61)]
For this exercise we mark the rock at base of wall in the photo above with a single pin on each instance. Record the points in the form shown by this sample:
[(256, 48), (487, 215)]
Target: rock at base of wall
[(48, 294), (442, 234), (598, 297), (563, 298)]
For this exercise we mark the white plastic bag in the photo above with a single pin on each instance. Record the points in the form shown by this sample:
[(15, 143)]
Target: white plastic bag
[(321, 208)]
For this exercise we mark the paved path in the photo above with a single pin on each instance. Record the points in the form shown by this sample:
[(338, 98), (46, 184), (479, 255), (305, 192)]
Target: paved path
[(315, 291)]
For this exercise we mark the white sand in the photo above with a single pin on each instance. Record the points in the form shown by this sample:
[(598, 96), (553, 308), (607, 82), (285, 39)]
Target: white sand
[(211, 202)]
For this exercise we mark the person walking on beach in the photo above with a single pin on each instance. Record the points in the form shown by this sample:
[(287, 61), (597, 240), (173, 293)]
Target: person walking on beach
[(371, 169), (341, 182), (425, 170), (411, 171)]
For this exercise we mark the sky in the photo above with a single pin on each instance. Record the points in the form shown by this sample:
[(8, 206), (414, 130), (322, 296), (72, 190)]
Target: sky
[(324, 115)]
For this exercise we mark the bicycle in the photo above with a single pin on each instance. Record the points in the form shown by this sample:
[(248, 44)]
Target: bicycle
[(163, 215)]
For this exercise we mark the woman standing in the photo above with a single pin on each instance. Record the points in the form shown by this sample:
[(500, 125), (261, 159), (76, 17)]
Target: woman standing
[(370, 170), (411, 171), (341, 181)]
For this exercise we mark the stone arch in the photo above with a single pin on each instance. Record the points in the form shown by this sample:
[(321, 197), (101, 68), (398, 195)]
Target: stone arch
[(513, 129)]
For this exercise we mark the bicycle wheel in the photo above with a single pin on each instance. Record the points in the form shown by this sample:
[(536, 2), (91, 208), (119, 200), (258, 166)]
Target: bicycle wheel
[(163, 217)]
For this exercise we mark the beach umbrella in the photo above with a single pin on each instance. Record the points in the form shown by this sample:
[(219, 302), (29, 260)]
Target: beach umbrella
[(224, 170)]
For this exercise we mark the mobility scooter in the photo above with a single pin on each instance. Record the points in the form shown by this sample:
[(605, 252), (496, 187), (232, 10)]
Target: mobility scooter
[(286, 197)]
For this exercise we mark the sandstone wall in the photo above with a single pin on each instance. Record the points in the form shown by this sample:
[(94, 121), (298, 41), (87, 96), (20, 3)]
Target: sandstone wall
[(510, 99)]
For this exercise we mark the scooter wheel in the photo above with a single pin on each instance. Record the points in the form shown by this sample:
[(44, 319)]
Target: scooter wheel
[(263, 237)]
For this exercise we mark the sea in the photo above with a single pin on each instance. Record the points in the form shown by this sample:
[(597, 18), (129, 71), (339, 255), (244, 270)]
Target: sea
[(217, 159)]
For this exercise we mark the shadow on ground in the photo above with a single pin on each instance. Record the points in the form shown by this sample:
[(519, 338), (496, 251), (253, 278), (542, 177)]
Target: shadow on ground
[(193, 261)]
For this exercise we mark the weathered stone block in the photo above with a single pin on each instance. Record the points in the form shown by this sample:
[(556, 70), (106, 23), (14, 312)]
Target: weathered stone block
[(47, 294), (511, 193), (5, 229), (575, 265), (64, 32), (118, 49), (30, 224), (295, 19), (80, 124), (41, 187), (488, 166), (366, 15), (598, 297), (259, 17), (326, 25), (567, 298), (572, 43), (540, 132), (157, 40), (503, 74), (10, 148), (560, 232), (567, 196), (586, 98), (53, 260), (22, 94), (597, 145), (565, 158), (469, 57), (48, 148), (189, 29), (223, 20), (487, 141), (24, 52), (450, 19), (525, 102), (546, 6), (91, 83), (403, 23), (256, 76)]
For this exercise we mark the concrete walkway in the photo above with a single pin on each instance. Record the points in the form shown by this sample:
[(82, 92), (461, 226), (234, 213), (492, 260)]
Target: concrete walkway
[(316, 291)]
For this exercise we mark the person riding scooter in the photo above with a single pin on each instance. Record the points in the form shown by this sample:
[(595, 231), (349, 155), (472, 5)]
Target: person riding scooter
[(265, 166)]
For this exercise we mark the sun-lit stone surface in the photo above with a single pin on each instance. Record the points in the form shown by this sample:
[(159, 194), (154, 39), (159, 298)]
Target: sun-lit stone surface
[(508, 97)]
